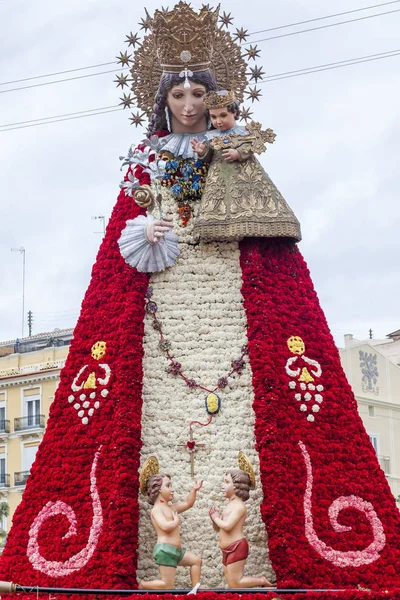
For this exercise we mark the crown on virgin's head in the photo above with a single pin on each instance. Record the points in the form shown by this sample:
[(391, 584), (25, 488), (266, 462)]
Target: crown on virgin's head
[(219, 99), (185, 37)]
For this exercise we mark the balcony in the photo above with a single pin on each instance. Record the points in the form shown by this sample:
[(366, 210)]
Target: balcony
[(20, 478), (4, 480), (4, 426), (29, 423)]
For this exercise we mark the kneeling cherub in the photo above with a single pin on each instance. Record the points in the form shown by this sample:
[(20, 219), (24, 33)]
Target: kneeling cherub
[(234, 546), (168, 552)]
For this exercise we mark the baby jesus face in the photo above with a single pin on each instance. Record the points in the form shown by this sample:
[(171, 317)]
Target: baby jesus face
[(222, 119)]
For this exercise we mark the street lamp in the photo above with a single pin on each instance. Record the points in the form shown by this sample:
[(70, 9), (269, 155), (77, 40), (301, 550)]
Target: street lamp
[(21, 250)]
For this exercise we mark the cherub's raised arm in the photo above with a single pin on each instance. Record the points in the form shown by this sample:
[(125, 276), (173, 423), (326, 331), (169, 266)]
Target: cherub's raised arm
[(190, 498)]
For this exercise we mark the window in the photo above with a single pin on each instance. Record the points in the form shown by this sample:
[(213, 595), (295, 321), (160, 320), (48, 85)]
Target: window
[(375, 442), (371, 411), (28, 457), (2, 416), (32, 410), (2, 470)]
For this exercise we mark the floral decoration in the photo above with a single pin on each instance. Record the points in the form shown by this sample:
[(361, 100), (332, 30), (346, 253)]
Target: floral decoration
[(331, 519), (79, 499), (186, 180), (213, 402)]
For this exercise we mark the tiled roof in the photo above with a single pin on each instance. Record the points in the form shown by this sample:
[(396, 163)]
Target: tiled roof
[(39, 336)]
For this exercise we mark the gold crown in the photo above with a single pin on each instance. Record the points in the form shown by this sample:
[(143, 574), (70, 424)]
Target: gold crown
[(219, 99), (184, 38), (184, 41)]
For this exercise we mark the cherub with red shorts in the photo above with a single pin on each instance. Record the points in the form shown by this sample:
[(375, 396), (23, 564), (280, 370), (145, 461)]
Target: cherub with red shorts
[(234, 546)]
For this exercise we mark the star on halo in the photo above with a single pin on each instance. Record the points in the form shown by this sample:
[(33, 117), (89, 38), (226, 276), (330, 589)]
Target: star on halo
[(253, 93), (121, 80), (127, 100), (245, 114), (225, 19), (256, 73), (132, 39), (123, 58), (146, 22), (137, 119), (252, 52), (241, 35)]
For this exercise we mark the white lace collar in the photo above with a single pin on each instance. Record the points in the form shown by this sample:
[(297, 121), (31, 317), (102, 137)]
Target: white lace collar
[(179, 144), (238, 130)]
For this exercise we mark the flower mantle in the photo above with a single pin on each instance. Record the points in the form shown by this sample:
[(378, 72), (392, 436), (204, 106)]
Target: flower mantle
[(328, 510)]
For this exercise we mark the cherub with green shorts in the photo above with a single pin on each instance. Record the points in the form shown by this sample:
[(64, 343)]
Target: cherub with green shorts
[(168, 552)]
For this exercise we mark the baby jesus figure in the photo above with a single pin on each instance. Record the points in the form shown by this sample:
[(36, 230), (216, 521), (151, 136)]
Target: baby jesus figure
[(239, 199), (234, 546)]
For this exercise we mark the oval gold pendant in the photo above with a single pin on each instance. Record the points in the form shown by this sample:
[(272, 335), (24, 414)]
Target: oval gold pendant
[(213, 404)]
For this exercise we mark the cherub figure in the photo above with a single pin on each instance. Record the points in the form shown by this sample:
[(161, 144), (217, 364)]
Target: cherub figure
[(168, 552), (239, 199), (234, 546)]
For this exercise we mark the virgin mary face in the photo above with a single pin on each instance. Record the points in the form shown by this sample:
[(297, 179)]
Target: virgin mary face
[(188, 112)]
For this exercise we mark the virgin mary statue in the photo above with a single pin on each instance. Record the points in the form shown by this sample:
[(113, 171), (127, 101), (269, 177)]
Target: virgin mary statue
[(193, 350)]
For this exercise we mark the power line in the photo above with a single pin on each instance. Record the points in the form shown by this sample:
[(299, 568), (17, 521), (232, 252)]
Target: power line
[(341, 14), (27, 87), (64, 72), (79, 112), (269, 78), (328, 66), (59, 120), (250, 34), (322, 68), (275, 37)]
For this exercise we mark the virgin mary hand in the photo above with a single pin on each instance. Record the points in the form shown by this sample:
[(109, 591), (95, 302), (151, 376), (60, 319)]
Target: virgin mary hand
[(155, 231)]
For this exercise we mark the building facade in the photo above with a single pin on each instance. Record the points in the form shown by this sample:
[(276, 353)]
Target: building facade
[(372, 369), (29, 375)]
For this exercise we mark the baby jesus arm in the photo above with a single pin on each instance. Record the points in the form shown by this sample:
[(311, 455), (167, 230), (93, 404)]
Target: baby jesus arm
[(244, 151), (231, 155), (203, 151), (190, 499)]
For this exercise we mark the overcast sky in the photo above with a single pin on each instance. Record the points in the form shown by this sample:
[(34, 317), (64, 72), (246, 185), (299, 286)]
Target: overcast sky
[(335, 159)]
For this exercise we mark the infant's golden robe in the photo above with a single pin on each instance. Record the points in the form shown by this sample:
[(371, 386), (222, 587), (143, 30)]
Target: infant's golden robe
[(239, 198)]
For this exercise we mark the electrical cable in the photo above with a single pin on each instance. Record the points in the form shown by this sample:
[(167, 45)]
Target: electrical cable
[(27, 87), (250, 34), (329, 66), (275, 37), (79, 112), (64, 72), (269, 78), (60, 120), (341, 14)]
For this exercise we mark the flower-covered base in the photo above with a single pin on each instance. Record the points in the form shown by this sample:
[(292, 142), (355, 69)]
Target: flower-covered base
[(348, 594)]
